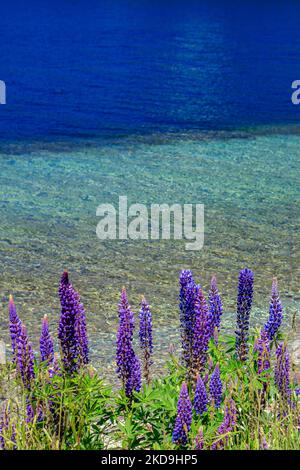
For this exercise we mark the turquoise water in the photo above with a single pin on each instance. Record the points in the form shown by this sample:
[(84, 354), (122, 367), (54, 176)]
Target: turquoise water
[(248, 182)]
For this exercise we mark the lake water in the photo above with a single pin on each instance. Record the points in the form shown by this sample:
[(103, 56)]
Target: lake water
[(184, 106)]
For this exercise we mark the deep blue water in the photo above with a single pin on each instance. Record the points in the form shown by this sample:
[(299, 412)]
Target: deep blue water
[(95, 68)]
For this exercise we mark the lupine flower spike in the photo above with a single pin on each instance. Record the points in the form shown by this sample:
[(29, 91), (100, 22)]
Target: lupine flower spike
[(215, 306), (244, 303), (201, 333), (145, 334), (25, 358), (46, 343), (200, 400), (215, 387), (128, 365), (187, 295), (184, 417), (72, 327), (14, 326), (275, 312)]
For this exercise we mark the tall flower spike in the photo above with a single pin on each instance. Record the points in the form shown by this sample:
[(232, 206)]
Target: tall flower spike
[(72, 327), (227, 426), (201, 333), (145, 334), (184, 417), (46, 342), (128, 365), (14, 326), (215, 306), (244, 303), (187, 295), (25, 358), (135, 377), (200, 400), (275, 312), (215, 387), (67, 330)]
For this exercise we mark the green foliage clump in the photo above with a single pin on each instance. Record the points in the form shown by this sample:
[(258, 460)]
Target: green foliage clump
[(82, 412)]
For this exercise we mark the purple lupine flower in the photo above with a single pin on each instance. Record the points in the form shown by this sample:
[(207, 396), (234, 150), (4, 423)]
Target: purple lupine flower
[(200, 399), (46, 342), (25, 358), (282, 372), (188, 290), (128, 364), (201, 332), (184, 417), (7, 429), (145, 334), (83, 347), (215, 387), (72, 327), (275, 312), (185, 278), (215, 306), (14, 326), (134, 381), (124, 338), (199, 441), (227, 426), (244, 303), (67, 330)]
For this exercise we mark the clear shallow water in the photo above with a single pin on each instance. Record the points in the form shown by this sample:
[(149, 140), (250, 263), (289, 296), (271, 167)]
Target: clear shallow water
[(249, 183)]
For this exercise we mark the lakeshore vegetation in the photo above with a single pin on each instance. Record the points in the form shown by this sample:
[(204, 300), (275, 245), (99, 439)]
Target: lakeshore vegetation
[(224, 392)]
